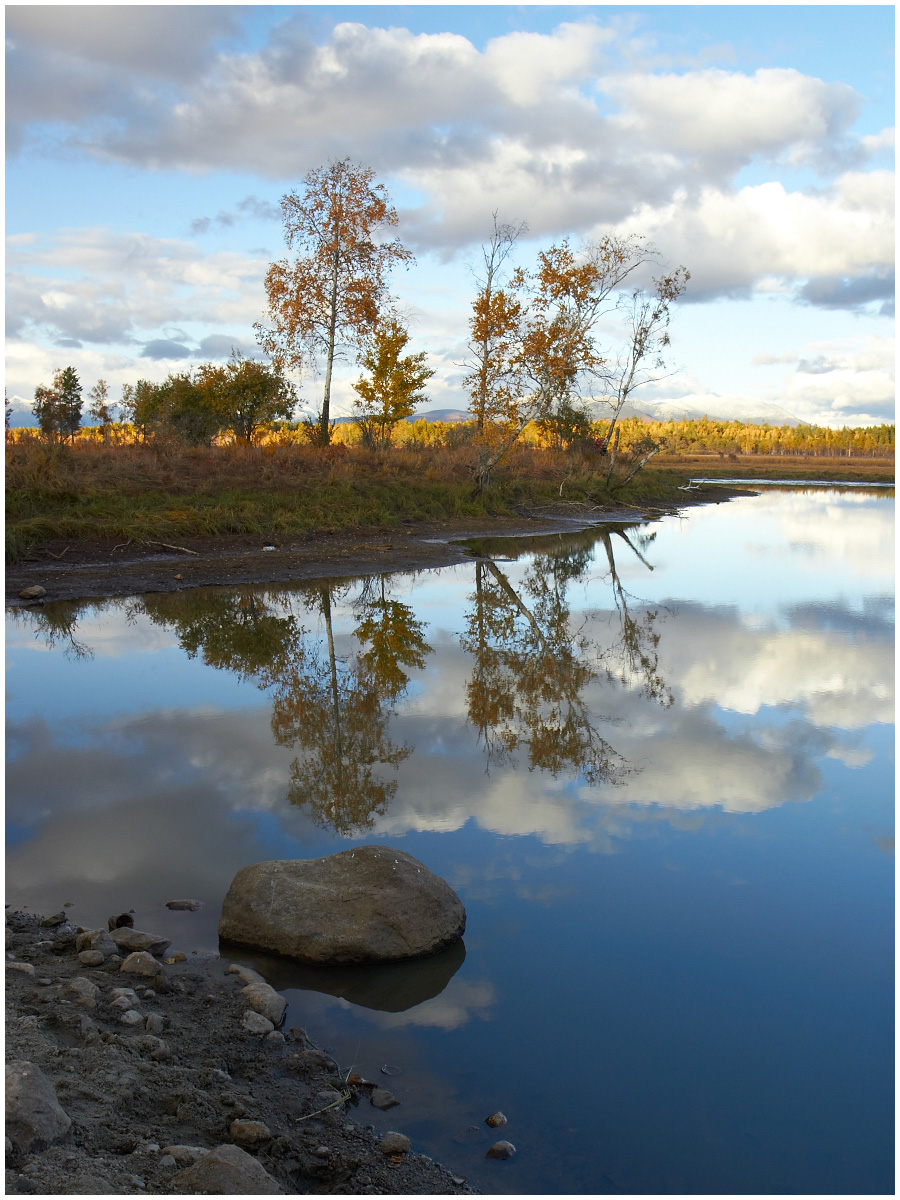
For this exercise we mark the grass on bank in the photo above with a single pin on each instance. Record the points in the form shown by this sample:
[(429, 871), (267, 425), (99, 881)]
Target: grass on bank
[(163, 492)]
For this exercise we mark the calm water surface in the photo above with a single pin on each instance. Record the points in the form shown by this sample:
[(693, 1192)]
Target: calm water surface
[(656, 762)]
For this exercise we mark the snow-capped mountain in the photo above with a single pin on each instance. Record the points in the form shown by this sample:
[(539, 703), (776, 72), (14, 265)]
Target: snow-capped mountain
[(717, 408)]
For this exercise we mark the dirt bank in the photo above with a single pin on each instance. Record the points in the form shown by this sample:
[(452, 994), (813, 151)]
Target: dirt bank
[(78, 570), (154, 1084)]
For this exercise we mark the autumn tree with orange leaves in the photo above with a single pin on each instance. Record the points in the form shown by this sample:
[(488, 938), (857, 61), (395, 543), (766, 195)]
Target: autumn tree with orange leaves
[(331, 295), (544, 327)]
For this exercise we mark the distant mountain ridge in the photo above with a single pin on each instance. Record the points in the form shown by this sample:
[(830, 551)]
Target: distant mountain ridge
[(687, 408), (717, 408)]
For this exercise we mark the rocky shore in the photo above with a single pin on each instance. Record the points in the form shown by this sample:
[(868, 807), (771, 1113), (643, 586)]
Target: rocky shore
[(130, 1072)]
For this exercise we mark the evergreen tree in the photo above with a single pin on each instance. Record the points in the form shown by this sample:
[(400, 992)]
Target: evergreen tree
[(68, 388)]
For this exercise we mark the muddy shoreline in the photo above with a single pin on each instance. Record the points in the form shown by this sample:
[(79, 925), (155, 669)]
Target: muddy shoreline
[(154, 1086), (84, 570)]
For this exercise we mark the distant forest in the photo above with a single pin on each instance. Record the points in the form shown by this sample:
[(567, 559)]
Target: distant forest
[(704, 436)]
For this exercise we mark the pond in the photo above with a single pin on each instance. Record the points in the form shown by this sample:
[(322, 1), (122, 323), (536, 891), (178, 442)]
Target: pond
[(656, 762)]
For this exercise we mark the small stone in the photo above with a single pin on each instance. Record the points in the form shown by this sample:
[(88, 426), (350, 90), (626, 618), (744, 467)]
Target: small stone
[(250, 1133), (34, 592), (96, 939), (161, 1051), (141, 963), (245, 974), (264, 999), (57, 918), (131, 1017), (167, 1162), (155, 1023), (501, 1150), (457, 1180), (255, 1022), (22, 968), (91, 958), (123, 998), (81, 991), (495, 1120), (394, 1143), (275, 1038), (177, 957), (185, 1156), (381, 1098), (184, 905), (134, 939)]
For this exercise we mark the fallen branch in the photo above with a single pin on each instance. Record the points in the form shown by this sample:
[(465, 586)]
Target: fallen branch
[(342, 1099), (166, 546), (61, 553)]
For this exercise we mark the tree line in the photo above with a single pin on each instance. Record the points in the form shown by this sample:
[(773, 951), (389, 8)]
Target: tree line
[(535, 356)]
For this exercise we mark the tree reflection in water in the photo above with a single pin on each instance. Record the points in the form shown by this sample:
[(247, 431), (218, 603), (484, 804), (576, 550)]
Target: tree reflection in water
[(531, 668), (334, 709)]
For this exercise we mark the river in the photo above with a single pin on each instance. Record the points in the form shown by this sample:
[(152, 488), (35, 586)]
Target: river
[(656, 762)]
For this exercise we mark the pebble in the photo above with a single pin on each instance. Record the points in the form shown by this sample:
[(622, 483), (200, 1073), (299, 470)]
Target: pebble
[(184, 905), (131, 1017), (394, 1143), (255, 1022), (501, 1150), (141, 963), (81, 991), (174, 958), (23, 968), (381, 1098), (57, 919), (495, 1120), (155, 1023), (91, 958), (249, 1132), (167, 1162)]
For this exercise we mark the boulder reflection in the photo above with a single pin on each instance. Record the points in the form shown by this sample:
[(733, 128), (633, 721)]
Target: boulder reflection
[(387, 987)]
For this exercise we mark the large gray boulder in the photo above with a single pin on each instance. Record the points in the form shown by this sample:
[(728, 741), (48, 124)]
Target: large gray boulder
[(369, 904), (34, 1116)]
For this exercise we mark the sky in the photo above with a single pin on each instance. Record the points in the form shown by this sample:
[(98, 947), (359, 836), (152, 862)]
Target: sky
[(148, 148)]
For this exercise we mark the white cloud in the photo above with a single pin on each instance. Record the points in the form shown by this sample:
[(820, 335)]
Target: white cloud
[(725, 118), (732, 240), (96, 292), (574, 131)]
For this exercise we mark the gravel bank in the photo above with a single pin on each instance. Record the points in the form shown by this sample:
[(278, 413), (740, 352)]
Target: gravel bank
[(158, 1064)]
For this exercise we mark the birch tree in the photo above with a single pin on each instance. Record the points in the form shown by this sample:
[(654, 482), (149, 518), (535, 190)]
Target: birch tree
[(556, 359), (495, 319), (330, 295)]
